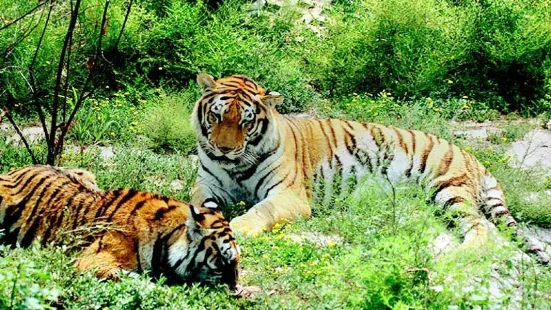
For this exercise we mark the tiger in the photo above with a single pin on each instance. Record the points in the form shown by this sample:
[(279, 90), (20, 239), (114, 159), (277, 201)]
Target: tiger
[(129, 231), (248, 152)]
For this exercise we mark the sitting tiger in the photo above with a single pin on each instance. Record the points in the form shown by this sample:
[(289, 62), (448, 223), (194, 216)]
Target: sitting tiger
[(249, 152), (141, 231)]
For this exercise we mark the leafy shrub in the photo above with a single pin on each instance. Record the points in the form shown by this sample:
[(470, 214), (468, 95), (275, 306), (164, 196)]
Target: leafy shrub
[(19, 41), (167, 123), (106, 120), (407, 47), (191, 39), (509, 53)]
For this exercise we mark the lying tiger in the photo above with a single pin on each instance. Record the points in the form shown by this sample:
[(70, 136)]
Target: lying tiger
[(249, 152), (144, 231)]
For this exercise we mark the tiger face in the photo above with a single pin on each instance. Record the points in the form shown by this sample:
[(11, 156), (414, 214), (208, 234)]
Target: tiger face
[(215, 253), (232, 115)]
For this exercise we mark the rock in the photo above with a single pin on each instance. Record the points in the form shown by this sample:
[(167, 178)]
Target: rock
[(247, 292), (106, 152), (5, 127), (317, 239), (533, 151), (32, 135), (177, 185), (481, 131), (540, 233)]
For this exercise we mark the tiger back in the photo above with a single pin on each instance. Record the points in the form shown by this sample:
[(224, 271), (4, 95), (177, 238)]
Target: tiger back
[(249, 152), (117, 230)]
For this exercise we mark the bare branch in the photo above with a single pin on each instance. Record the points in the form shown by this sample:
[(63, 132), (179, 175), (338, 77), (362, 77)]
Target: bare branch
[(39, 5), (26, 33), (20, 134), (66, 126), (124, 23), (55, 105), (30, 69)]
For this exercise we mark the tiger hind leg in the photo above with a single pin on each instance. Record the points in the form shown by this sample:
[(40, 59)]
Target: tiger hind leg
[(494, 207), (110, 255), (460, 207)]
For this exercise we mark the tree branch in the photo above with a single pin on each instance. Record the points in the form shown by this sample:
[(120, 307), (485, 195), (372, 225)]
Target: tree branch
[(124, 23), (65, 128), (20, 134), (30, 69), (40, 4), (55, 105)]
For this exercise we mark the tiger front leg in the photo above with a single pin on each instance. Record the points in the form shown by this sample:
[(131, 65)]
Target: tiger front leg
[(206, 189), (284, 206)]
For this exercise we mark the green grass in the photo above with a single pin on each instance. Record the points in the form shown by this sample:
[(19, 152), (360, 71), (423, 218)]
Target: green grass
[(376, 252)]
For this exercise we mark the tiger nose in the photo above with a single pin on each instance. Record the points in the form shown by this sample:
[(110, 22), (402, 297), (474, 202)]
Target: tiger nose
[(225, 149)]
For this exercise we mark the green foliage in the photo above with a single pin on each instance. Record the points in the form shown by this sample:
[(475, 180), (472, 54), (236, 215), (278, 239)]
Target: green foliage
[(168, 125), (496, 52), (191, 39), (19, 41), (370, 252), (105, 121), (408, 47), (509, 55)]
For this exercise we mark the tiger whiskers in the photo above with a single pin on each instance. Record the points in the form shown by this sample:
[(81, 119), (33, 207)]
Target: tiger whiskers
[(249, 158)]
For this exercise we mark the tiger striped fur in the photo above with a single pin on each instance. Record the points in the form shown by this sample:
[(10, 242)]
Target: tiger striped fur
[(139, 230), (249, 152)]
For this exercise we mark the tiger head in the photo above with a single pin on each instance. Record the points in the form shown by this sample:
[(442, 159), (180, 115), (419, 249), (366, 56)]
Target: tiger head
[(207, 251), (233, 117)]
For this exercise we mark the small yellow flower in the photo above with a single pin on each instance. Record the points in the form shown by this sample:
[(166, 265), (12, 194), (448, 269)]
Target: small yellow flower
[(314, 263), (331, 243), (504, 139), (468, 149), (265, 256)]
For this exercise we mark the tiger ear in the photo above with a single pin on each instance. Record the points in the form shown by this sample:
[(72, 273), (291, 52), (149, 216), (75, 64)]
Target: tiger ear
[(194, 223), (206, 82), (272, 99)]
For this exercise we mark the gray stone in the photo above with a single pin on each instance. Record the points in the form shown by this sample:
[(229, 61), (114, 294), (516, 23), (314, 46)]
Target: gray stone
[(472, 130), (32, 135), (106, 152), (177, 185), (534, 151)]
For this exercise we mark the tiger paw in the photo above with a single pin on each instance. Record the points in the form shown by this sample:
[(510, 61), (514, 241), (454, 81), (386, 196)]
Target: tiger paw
[(248, 226)]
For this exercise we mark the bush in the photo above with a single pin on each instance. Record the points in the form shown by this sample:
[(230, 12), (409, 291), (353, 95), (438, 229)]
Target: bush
[(191, 39), (19, 41), (509, 56), (167, 123), (407, 47)]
